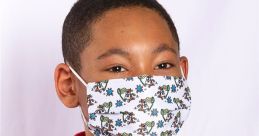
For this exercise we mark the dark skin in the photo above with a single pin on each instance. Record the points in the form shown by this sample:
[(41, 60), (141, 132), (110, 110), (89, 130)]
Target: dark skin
[(125, 42)]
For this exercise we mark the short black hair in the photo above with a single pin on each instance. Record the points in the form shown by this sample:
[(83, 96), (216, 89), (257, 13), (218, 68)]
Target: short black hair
[(76, 33)]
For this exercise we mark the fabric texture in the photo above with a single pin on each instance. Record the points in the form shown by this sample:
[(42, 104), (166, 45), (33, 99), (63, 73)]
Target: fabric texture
[(143, 105)]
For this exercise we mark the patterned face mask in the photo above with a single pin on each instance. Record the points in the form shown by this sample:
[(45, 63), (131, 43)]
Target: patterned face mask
[(142, 105)]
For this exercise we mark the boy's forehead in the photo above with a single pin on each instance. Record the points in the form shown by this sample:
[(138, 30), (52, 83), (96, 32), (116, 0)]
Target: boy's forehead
[(124, 27), (129, 20)]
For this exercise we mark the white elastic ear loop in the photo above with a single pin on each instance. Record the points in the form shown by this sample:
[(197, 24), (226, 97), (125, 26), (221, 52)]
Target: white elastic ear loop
[(77, 75), (182, 72), (84, 120), (83, 82)]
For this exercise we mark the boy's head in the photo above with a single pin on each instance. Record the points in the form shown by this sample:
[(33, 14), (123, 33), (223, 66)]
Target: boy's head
[(105, 39)]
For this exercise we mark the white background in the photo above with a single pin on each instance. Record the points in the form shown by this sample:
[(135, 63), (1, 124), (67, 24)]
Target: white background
[(220, 38)]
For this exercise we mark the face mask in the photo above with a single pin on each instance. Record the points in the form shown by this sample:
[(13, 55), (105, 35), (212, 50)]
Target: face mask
[(141, 105)]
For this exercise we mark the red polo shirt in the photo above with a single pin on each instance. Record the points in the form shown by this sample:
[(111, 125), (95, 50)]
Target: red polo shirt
[(80, 134)]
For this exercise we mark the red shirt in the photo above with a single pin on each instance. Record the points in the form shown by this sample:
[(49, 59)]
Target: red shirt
[(80, 134)]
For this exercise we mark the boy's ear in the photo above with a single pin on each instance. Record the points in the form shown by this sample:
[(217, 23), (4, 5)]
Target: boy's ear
[(185, 66), (66, 86)]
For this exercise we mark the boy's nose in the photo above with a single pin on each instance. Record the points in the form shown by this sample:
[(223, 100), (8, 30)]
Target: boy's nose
[(143, 69)]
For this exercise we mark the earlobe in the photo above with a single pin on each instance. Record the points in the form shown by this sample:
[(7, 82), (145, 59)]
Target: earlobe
[(65, 86), (185, 66)]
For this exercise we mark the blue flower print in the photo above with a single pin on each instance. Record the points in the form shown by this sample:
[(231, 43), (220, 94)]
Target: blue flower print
[(139, 88), (173, 88), (153, 134), (92, 116), (168, 77), (97, 132), (169, 99), (176, 131), (129, 79), (160, 124), (118, 122), (118, 103), (154, 112), (109, 92)]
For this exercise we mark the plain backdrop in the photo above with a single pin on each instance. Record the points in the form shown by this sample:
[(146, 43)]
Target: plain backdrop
[(220, 38)]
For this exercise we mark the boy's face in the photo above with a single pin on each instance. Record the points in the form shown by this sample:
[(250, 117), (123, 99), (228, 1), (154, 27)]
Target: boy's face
[(125, 42)]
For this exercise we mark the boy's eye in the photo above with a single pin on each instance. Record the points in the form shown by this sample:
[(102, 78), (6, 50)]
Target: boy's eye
[(116, 69), (164, 66)]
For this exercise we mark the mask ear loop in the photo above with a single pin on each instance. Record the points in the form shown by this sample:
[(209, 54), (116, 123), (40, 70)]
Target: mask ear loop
[(83, 117), (84, 83), (77, 75), (182, 72)]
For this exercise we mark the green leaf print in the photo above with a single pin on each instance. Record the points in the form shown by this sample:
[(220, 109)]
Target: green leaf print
[(141, 78), (164, 112), (107, 105), (120, 92), (150, 124), (150, 100)]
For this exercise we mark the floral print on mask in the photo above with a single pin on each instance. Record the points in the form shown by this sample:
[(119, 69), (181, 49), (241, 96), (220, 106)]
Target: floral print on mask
[(142, 105)]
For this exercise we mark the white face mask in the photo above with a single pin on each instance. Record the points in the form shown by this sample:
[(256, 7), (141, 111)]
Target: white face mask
[(142, 105)]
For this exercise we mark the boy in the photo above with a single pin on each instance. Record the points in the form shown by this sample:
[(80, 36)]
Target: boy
[(111, 39)]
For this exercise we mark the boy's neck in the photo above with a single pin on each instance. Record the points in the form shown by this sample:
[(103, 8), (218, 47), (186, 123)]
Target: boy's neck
[(88, 133)]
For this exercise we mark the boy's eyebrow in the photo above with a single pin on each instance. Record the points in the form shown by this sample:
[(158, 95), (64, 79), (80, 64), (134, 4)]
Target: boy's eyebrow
[(113, 51), (164, 47)]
